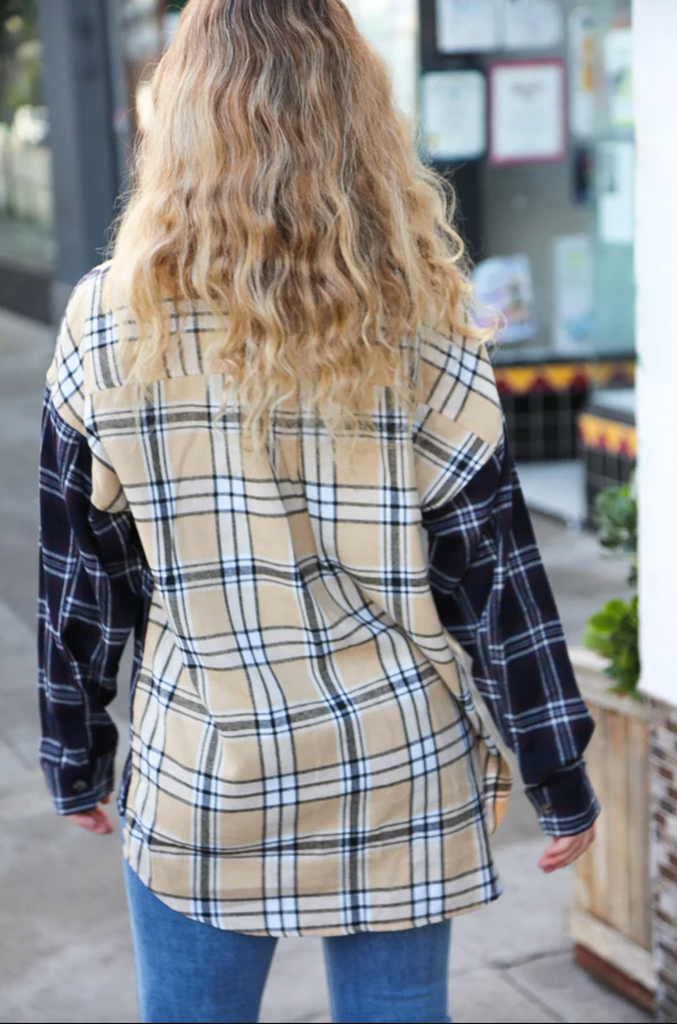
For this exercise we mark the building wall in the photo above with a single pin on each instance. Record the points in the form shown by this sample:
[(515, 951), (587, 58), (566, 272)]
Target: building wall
[(655, 89), (664, 800), (27, 236)]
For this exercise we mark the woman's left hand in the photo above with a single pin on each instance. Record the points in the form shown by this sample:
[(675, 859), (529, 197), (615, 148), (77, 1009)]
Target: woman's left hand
[(566, 850)]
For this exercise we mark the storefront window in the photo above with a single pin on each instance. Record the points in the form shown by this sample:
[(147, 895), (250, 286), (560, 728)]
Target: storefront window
[(570, 213), (614, 160), (527, 104), (26, 199)]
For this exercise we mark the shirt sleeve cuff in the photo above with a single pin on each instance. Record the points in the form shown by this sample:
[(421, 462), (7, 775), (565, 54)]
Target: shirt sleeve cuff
[(566, 804), (76, 789)]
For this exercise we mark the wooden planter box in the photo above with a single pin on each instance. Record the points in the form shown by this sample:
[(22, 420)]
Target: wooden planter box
[(611, 914)]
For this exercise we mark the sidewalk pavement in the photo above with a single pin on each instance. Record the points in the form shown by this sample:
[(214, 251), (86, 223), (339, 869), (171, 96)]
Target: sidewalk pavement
[(64, 943)]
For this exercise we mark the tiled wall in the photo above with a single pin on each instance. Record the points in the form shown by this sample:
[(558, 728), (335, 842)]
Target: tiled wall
[(542, 425), (603, 470), (609, 450), (542, 401), (664, 794)]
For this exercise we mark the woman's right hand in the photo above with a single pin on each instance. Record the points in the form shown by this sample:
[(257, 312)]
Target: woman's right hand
[(96, 821), (564, 851)]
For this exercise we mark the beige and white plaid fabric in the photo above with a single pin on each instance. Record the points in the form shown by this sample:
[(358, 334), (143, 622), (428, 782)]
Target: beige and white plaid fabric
[(306, 754)]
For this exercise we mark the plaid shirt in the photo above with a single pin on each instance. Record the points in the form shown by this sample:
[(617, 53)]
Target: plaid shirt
[(319, 629)]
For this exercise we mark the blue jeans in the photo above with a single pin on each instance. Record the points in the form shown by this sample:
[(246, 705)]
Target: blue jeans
[(188, 971)]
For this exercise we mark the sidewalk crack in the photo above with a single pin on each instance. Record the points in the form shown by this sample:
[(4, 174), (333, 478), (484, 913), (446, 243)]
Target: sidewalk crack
[(524, 991), (531, 958)]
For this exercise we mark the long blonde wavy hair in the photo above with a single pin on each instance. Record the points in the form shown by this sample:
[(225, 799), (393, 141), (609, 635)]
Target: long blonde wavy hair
[(278, 183)]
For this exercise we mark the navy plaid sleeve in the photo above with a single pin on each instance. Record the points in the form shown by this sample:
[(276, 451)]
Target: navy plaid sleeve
[(494, 597), (91, 587)]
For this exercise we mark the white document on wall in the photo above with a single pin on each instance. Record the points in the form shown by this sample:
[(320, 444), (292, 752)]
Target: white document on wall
[(573, 290), (582, 72), (618, 64), (616, 192), (527, 112), (469, 26), (533, 24), (455, 114)]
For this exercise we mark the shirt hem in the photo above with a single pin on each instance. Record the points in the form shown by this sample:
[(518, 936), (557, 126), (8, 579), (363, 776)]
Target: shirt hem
[(494, 892)]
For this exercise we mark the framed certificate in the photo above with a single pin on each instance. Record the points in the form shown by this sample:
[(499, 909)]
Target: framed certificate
[(528, 112), (455, 114)]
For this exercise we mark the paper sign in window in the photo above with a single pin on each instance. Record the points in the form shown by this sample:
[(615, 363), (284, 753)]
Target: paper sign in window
[(469, 26), (455, 114), (528, 112)]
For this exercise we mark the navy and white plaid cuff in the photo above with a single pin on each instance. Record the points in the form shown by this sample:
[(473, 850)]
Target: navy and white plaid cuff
[(77, 788), (566, 804)]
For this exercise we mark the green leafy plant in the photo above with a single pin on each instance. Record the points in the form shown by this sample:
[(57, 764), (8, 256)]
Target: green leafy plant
[(613, 632), (617, 523)]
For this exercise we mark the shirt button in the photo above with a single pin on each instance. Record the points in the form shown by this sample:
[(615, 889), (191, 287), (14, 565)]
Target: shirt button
[(80, 786), (548, 809)]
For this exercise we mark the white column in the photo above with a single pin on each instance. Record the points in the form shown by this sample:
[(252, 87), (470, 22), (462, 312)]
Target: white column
[(656, 256)]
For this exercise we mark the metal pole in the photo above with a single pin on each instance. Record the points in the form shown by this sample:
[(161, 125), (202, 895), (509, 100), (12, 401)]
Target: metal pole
[(85, 159)]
